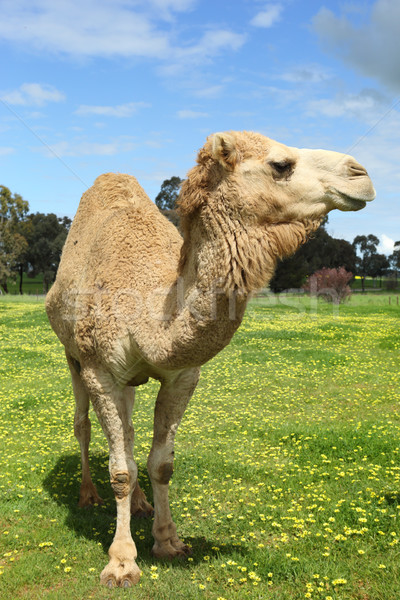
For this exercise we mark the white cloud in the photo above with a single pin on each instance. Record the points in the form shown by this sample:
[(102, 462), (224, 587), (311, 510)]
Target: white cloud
[(85, 148), (212, 91), (167, 7), (86, 28), (373, 47), (33, 94), (111, 28), (386, 245), (368, 105), (211, 44), (4, 150), (121, 110), (267, 17), (306, 74), (190, 114), (176, 5)]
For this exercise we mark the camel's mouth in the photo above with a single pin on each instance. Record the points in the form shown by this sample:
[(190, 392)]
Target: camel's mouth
[(345, 202)]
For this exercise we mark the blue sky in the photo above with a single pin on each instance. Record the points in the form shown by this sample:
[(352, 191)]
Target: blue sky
[(131, 86)]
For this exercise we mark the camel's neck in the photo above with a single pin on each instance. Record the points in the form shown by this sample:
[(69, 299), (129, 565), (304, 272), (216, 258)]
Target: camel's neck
[(200, 318), (222, 263)]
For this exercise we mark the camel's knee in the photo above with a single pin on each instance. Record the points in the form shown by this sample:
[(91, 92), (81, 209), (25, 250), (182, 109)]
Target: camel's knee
[(123, 479), (160, 470), (121, 483), (164, 473)]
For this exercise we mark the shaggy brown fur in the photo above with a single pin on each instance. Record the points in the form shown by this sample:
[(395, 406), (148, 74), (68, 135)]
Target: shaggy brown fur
[(132, 300)]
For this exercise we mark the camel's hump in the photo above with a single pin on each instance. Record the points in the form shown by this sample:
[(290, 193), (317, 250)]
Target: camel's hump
[(117, 189)]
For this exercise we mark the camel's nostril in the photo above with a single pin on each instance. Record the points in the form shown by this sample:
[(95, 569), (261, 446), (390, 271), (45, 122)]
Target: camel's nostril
[(357, 170)]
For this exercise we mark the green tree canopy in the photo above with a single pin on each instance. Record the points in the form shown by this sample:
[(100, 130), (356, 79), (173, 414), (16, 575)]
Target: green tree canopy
[(46, 241), (167, 197), (13, 231), (394, 258), (366, 248)]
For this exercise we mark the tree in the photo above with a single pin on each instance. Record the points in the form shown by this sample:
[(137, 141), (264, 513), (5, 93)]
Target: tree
[(394, 258), (166, 198), (378, 266), (46, 240), (366, 246), (13, 230)]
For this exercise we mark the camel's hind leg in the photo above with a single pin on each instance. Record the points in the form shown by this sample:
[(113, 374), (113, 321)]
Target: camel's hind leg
[(170, 406), (88, 494)]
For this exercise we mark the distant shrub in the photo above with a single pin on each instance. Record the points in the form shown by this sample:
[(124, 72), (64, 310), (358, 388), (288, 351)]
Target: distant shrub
[(330, 284)]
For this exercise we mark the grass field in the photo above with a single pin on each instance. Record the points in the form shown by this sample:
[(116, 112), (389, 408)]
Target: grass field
[(287, 474)]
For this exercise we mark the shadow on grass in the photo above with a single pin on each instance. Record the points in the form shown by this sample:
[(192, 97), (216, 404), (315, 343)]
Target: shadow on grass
[(98, 522)]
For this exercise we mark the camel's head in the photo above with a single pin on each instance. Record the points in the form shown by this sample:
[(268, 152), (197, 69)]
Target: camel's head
[(273, 183), (261, 200)]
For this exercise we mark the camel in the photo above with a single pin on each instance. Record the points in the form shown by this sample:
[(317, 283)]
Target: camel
[(133, 299)]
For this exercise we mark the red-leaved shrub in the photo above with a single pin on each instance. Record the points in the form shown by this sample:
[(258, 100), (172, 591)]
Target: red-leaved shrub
[(331, 284)]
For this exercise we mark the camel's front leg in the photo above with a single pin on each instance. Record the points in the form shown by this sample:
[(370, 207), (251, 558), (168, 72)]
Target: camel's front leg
[(113, 408), (170, 406)]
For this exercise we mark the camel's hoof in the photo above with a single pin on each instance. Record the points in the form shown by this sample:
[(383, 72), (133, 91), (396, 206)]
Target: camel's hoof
[(171, 549), (143, 514), (88, 496), (123, 575), (89, 503), (122, 570), (125, 584)]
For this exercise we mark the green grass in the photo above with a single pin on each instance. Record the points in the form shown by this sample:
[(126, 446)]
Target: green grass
[(287, 474)]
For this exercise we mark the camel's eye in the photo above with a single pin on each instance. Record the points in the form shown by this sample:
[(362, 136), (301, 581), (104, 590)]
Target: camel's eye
[(283, 167)]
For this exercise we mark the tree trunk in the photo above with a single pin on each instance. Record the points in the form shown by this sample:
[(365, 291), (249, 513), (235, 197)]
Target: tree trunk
[(46, 284), (21, 274), (4, 286)]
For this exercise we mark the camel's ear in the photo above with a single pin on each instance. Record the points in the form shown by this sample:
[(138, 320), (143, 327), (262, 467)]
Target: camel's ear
[(224, 150)]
